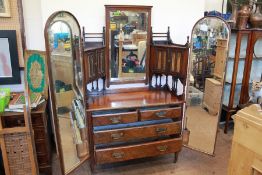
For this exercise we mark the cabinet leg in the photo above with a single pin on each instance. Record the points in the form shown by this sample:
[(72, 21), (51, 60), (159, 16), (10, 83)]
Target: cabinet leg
[(176, 157)]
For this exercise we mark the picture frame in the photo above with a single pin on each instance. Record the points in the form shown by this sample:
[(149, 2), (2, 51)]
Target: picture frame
[(9, 63), (36, 71), (5, 8)]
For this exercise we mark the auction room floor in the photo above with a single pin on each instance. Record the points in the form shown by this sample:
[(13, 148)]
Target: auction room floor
[(189, 163)]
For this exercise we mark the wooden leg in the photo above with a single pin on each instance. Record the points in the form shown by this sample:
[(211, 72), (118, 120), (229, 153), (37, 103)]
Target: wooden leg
[(176, 157)]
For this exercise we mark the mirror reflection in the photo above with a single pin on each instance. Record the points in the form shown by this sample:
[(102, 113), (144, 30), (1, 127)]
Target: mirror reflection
[(208, 57), (128, 42), (65, 59)]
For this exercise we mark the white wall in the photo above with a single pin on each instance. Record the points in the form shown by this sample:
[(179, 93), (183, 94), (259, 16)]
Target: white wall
[(215, 5), (179, 15)]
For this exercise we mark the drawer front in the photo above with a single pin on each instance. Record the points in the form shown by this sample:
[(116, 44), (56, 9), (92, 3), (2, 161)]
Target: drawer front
[(151, 149), (161, 114), (39, 133), (127, 134), (42, 160), (41, 147), (109, 119), (37, 120)]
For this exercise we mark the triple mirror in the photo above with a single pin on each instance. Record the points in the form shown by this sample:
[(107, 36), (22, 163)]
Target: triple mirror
[(208, 58), (64, 58), (128, 36)]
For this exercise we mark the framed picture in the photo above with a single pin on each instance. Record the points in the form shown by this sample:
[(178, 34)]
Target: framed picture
[(9, 64), (5, 8), (36, 71)]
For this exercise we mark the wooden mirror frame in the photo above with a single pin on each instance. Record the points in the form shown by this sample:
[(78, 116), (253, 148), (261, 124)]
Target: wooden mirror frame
[(54, 119), (134, 8), (222, 82)]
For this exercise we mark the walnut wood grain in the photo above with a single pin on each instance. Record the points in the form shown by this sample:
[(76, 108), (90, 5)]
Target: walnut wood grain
[(161, 114), (151, 149), (126, 134), (133, 99), (118, 118)]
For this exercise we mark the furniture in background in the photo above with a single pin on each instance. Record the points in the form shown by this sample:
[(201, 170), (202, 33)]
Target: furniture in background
[(41, 136), (18, 147), (243, 67), (246, 152)]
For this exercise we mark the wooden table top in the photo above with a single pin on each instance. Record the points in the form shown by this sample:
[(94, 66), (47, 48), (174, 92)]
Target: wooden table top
[(132, 99), (40, 109)]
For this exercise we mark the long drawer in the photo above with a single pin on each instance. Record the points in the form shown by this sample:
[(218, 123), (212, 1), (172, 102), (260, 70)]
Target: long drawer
[(118, 118), (150, 149), (127, 134), (161, 113)]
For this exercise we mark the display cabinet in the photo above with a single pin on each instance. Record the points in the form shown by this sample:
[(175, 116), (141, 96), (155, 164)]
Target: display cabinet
[(243, 67)]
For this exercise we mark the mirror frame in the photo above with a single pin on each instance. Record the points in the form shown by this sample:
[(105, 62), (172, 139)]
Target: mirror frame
[(223, 82), (135, 8), (54, 119)]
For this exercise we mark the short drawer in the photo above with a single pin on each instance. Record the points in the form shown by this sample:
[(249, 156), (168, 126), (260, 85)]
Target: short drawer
[(41, 147), (161, 113), (39, 133), (119, 118), (126, 134), (42, 160), (150, 149), (37, 119)]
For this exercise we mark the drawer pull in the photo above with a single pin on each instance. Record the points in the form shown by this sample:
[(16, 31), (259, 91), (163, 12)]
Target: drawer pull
[(118, 155), (115, 120), (162, 148), (161, 130), (161, 114), (117, 136)]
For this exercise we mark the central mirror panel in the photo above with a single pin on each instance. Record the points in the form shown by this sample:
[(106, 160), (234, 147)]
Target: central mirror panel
[(127, 31), (208, 57)]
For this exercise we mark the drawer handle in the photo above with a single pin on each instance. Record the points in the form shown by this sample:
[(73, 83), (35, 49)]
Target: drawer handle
[(161, 130), (161, 114), (118, 155), (117, 136), (162, 148), (115, 120)]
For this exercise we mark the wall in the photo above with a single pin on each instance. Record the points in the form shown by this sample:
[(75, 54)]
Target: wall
[(215, 5), (179, 15)]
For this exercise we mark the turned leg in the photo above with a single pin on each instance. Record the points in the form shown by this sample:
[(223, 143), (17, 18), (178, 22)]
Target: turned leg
[(175, 157)]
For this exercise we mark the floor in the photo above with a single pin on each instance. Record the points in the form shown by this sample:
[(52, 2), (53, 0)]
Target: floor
[(190, 162)]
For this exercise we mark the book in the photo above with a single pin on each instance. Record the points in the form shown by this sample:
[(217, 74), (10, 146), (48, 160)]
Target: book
[(18, 101)]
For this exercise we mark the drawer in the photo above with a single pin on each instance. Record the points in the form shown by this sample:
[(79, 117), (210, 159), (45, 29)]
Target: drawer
[(41, 147), (119, 118), (126, 134), (150, 149), (39, 133), (42, 160), (37, 119), (161, 113)]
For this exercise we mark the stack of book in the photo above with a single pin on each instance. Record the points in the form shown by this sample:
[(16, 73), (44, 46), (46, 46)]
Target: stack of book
[(18, 101)]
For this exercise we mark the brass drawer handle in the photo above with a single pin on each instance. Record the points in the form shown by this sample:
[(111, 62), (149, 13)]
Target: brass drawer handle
[(117, 136), (161, 130), (115, 120), (162, 148), (161, 114), (118, 155)]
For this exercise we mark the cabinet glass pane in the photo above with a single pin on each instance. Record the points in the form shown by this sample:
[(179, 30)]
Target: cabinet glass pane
[(230, 68), (256, 70)]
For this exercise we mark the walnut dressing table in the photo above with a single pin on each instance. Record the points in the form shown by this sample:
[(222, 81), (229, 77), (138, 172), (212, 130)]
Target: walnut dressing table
[(132, 125)]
